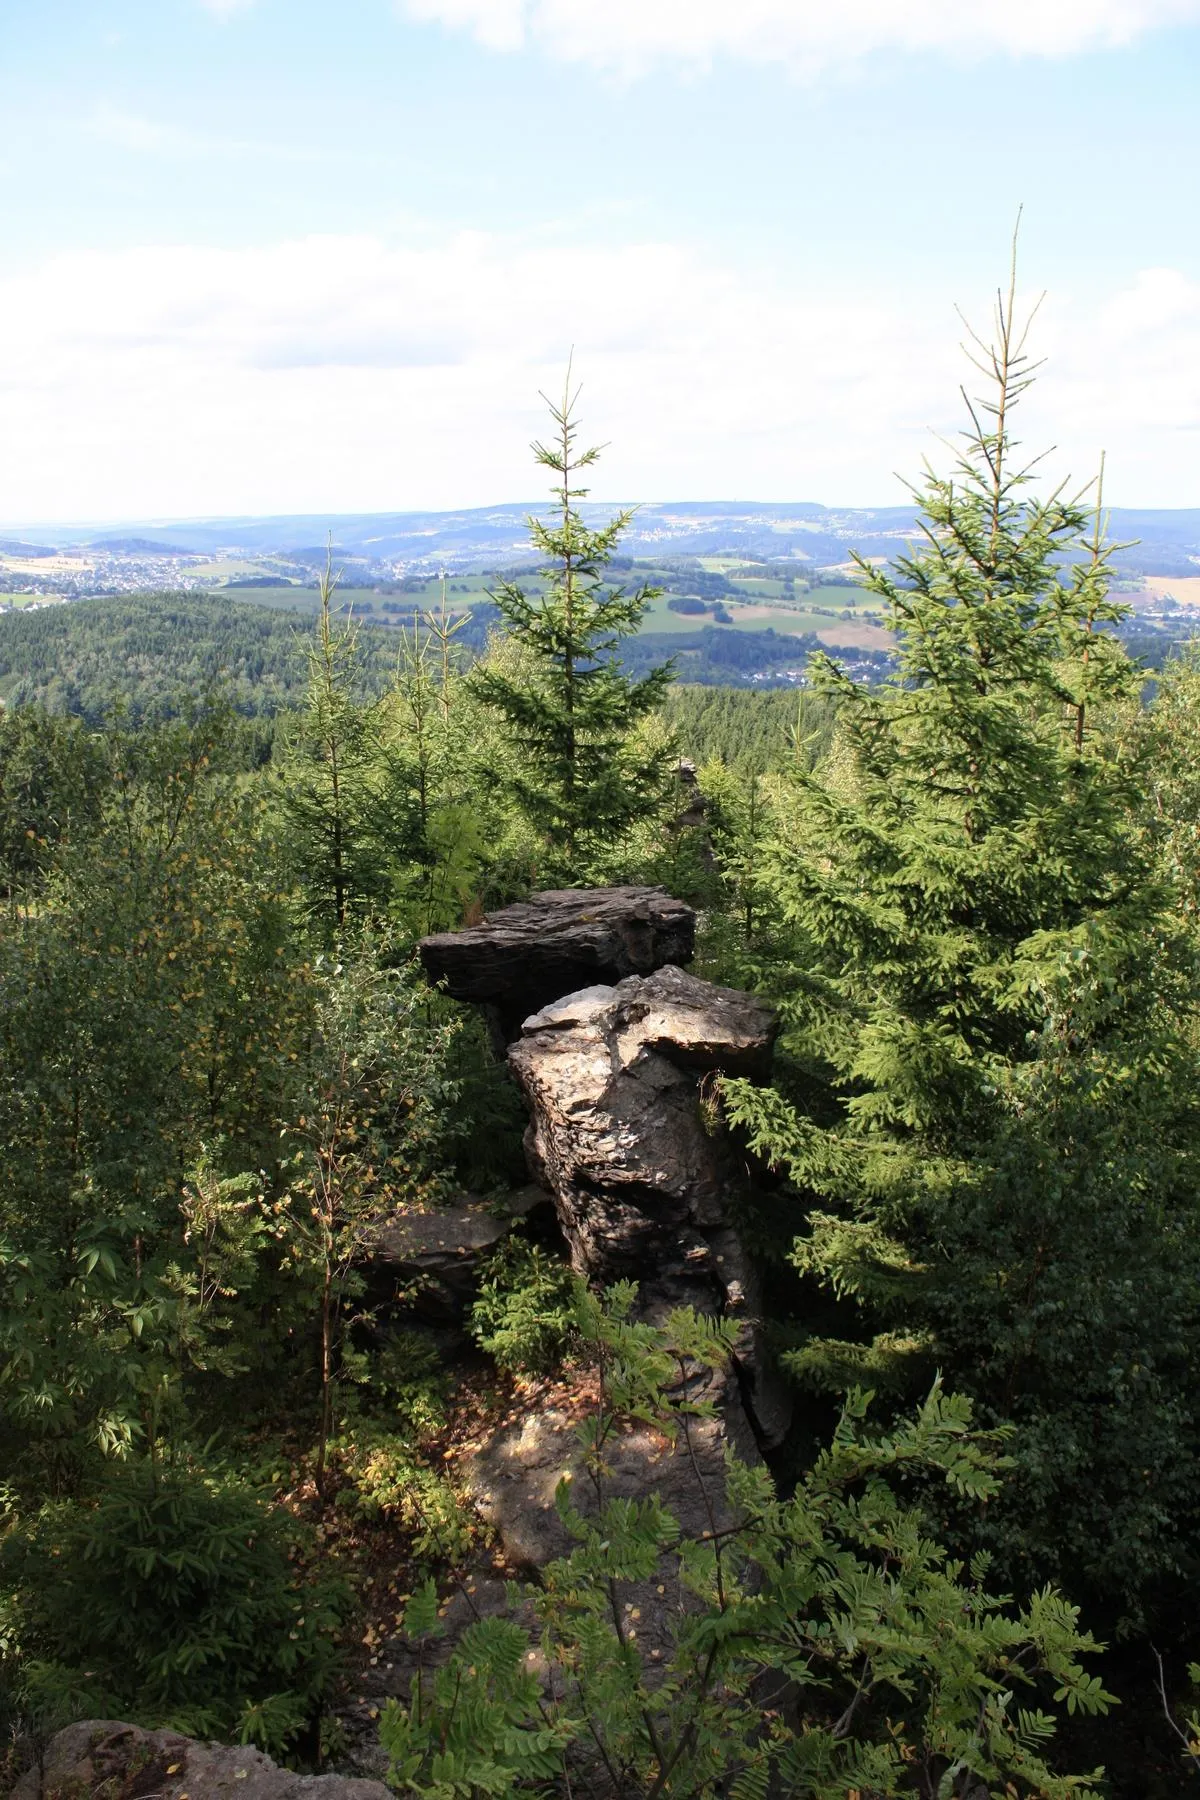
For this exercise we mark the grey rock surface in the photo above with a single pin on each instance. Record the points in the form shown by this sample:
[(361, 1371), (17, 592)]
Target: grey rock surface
[(102, 1757), (431, 1261), (526, 955), (512, 1478), (643, 1178), (618, 1136)]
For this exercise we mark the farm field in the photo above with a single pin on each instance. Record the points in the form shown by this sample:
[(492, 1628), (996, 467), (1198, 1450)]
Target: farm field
[(284, 597), (836, 615), (1185, 589), (21, 567), (841, 615)]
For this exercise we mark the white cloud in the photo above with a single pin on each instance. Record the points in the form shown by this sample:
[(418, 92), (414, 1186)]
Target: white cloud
[(809, 35), (348, 374)]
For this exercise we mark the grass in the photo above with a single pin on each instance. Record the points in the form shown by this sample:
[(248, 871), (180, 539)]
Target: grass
[(837, 614)]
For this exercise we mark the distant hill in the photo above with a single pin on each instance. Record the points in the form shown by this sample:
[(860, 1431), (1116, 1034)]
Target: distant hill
[(496, 536), (138, 546), (15, 547)]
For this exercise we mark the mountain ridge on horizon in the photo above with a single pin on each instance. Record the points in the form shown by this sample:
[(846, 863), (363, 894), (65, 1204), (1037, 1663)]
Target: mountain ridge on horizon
[(1168, 538)]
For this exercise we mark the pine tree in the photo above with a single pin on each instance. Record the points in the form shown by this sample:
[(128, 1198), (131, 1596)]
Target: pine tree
[(577, 774), (338, 812), (987, 1106), (431, 774)]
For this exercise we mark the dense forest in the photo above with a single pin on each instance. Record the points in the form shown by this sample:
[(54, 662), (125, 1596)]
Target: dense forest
[(969, 888), (148, 649)]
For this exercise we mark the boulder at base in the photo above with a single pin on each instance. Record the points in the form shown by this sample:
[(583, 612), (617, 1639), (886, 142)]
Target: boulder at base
[(104, 1758), (431, 1260)]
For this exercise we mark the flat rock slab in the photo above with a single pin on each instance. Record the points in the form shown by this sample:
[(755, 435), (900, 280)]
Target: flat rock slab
[(432, 1260), (527, 955), (103, 1757), (513, 1477), (437, 1239)]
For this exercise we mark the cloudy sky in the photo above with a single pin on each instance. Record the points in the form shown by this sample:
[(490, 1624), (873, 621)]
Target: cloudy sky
[(306, 255)]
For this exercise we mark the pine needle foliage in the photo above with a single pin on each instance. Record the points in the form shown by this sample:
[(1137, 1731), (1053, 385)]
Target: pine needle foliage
[(178, 1599), (819, 1646), (338, 815), (987, 1105), (578, 777)]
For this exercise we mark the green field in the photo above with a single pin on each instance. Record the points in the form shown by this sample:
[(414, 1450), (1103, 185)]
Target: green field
[(838, 614), (288, 599)]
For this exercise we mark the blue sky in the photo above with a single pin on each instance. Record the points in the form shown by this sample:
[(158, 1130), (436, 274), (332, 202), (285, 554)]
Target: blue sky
[(288, 255)]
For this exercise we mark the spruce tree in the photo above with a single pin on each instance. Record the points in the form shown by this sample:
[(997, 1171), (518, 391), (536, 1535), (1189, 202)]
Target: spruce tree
[(988, 1065), (571, 713), (347, 822)]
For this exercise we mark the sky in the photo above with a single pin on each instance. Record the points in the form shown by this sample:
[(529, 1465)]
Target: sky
[(305, 255)]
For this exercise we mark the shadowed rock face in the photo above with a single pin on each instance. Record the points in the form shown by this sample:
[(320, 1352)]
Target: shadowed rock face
[(435, 1259), (526, 955)]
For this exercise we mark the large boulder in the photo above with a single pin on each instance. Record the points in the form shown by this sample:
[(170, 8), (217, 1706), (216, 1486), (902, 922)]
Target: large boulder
[(642, 1173), (105, 1758), (613, 1075), (526, 955)]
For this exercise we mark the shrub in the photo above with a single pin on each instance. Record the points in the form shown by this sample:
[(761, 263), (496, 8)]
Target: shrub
[(387, 1476), (177, 1598), (904, 1674), (522, 1317), (411, 1380)]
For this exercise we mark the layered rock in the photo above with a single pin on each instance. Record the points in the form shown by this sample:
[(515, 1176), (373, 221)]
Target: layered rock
[(618, 1135), (642, 1175), (612, 1044), (524, 956), (614, 1047)]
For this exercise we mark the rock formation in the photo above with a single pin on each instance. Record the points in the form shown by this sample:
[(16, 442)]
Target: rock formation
[(618, 1134), (102, 1758), (642, 1179), (611, 1043), (524, 956)]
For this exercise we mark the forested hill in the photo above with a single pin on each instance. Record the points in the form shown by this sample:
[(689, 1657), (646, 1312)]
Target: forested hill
[(147, 650)]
